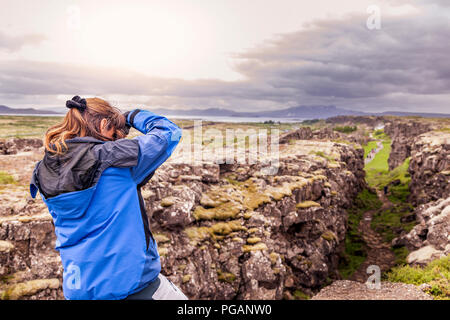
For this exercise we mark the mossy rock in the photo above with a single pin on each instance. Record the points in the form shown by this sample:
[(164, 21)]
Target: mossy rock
[(329, 236), (274, 257), (168, 201), (225, 228), (253, 230), (196, 234), (248, 215), (225, 276), (6, 178), (223, 211), (300, 295), (29, 288), (187, 278), (161, 238), (307, 204), (253, 240), (257, 247)]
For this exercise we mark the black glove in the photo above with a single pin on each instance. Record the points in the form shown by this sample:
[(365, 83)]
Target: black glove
[(127, 128)]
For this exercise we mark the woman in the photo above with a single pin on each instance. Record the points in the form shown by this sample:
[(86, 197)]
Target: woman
[(90, 179)]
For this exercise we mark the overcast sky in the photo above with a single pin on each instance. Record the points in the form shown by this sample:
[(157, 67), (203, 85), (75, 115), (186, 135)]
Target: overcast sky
[(241, 55)]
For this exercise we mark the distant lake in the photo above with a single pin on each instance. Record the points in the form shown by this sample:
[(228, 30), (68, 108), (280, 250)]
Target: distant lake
[(236, 119)]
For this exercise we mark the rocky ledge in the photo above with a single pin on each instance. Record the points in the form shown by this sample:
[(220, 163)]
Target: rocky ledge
[(430, 191), (430, 238), (230, 232), (430, 167), (403, 134)]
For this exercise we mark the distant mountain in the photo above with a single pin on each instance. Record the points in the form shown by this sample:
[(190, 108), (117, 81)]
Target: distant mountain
[(8, 110), (302, 112)]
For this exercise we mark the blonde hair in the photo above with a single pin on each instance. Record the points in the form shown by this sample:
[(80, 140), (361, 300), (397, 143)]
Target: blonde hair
[(85, 123)]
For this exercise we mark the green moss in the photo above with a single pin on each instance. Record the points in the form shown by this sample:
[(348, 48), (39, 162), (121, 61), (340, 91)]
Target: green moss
[(6, 178), (253, 230), (273, 257), (366, 200), (323, 155), (355, 254), (225, 228), (225, 276), (161, 238), (168, 201), (229, 201), (248, 215), (300, 295), (256, 247), (329, 236), (187, 278), (217, 231), (307, 204), (222, 212), (436, 274), (253, 240), (400, 255), (28, 288), (389, 222), (196, 234)]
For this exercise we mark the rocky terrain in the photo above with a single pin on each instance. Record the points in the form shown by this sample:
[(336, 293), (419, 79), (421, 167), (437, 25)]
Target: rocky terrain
[(352, 290), (223, 231), (430, 190), (403, 133), (229, 232), (14, 145), (233, 231), (430, 238), (430, 167)]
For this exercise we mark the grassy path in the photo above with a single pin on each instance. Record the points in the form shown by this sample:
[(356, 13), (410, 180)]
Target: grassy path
[(376, 216), (378, 251)]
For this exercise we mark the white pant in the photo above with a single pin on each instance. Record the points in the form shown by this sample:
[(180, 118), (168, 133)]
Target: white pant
[(160, 289)]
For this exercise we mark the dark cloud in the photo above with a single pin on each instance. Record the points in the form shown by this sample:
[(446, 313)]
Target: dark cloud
[(14, 43), (344, 59)]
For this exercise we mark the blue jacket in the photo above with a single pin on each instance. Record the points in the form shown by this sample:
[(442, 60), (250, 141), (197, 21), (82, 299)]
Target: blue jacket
[(93, 194)]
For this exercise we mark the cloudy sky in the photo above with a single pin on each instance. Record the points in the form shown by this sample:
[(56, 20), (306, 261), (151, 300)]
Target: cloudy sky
[(373, 55)]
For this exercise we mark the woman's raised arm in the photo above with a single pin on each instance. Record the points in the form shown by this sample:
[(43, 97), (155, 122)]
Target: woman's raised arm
[(160, 138)]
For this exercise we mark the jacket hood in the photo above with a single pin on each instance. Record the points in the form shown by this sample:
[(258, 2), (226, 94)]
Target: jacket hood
[(75, 170)]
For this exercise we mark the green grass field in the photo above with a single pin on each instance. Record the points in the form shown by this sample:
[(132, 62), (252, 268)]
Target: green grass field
[(436, 274)]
